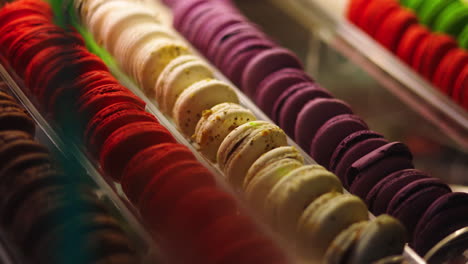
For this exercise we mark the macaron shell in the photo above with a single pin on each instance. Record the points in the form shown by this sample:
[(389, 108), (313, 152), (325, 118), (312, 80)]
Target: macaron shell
[(412, 38), (199, 97), (262, 183), (449, 69), (236, 68), (383, 192), (244, 150), (384, 236), (276, 154), (325, 218), (128, 140), (270, 89), (313, 115), (293, 192), (410, 203), (330, 134), (344, 243), (137, 173), (375, 13), (216, 124), (291, 102), (453, 19), (460, 91), (355, 9), (392, 30), (437, 48), (265, 63), (354, 154), (224, 48), (431, 10)]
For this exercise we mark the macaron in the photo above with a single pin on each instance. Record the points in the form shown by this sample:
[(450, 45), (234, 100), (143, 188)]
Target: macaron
[(244, 145), (431, 52), (330, 135), (274, 84), (138, 172), (210, 30), (443, 217), (356, 9), (111, 118), (131, 41), (285, 203), (463, 39), (449, 69), (216, 123), (15, 117), (410, 41), (410, 202), (264, 180), (291, 101), (95, 20), (325, 218), (19, 147), (453, 19), (313, 115), (460, 90), (383, 192), (367, 242), (182, 9), (151, 59), (352, 148), (10, 12), (198, 209), (375, 13), (390, 32), (274, 155), (265, 63), (200, 96), (374, 166), (415, 5), (430, 10), (127, 141), (177, 76)]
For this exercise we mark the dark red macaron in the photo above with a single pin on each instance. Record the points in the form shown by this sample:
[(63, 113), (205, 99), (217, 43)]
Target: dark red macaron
[(22, 8), (429, 54), (111, 118), (15, 117), (127, 141), (443, 217), (390, 32), (410, 41), (288, 105), (264, 64), (367, 171), (356, 9), (383, 192), (330, 135), (410, 202), (196, 210), (460, 90), (375, 13), (139, 171), (271, 88), (99, 98), (313, 115), (10, 31), (167, 188), (449, 69)]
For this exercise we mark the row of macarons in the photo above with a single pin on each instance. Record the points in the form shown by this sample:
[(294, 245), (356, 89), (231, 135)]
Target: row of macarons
[(252, 154), (436, 56), (192, 218), (449, 17), (52, 213), (378, 171)]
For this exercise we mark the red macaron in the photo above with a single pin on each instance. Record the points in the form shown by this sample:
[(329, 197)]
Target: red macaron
[(449, 69), (410, 42), (390, 32), (460, 90), (140, 170), (356, 9), (127, 141), (375, 13)]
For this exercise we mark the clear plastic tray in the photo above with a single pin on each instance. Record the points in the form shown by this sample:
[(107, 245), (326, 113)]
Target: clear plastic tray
[(326, 20)]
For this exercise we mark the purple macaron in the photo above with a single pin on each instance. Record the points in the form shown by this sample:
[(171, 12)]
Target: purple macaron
[(383, 192), (228, 33), (210, 30), (446, 215), (264, 64), (192, 27), (313, 115), (271, 88), (182, 8), (367, 171), (352, 148), (239, 53), (330, 135), (410, 203)]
